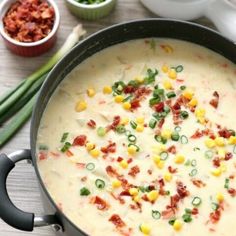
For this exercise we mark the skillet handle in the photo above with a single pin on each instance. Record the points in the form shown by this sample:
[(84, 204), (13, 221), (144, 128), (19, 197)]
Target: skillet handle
[(8, 211)]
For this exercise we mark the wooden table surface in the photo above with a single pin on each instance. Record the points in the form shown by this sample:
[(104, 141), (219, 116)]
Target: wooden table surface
[(22, 182)]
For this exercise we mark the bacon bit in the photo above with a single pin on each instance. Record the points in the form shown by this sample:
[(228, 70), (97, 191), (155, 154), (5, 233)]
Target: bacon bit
[(161, 123), (110, 148), (125, 193), (92, 124), (215, 101), (232, 176), (167, 214), (114, 124), (149, 172), (55, 155), (111, 171), (198, 183), (117, 221), (228, 156), (80, 140), (29, 21), (180, 80), (69, 153), (161, 184), (232, 192), (129, 89), (224, 133), (136, 206), (101, 102), (42, 156), (197, 134), (216, 162), (135, 104), (134, 171), (172, 149), (215, 216), (119, 159), (100, 203), (80, 165), (84, 179), (142, 92), (194, 211), (172, 170), (118, 198), (159, 107), (145, 198), (130, 160), (182, 190)]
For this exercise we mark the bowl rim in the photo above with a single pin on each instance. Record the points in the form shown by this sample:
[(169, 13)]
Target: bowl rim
[(89, 6), (4, 6)]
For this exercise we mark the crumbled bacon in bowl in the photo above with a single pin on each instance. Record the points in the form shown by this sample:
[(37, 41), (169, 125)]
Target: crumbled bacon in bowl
[(29, 20)]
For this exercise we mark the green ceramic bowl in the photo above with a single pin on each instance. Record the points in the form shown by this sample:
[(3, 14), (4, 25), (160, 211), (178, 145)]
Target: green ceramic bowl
[(92, 11)]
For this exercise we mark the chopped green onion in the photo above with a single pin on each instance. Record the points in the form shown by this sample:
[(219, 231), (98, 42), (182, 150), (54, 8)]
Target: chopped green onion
[(177, 128), (156, 215), (101, 131), (172, 221), (226, 183), (171, 94), (188, 211), (182, 87), (184, 139), (193, 163), (184, 115), (158, 92), (120, 129), (128, 98), (90, 166), (153, 44), (132, 138), (151, 76), (187, 218), (179, 68), (160, 139), (137, 147), (175, 136), (118, 87), (66, 147), (197, 201), (166, 109), (144, 189), (64, 137), (233, 133), (100, 183), (164, 155), (234, 149), (214, 206), (133, 124), (133, 83), (193, 172), (208, 154), (152, 123), (154, 101), (187, 163), (196, 149), (43, 147), (127, 132), (84, 192)]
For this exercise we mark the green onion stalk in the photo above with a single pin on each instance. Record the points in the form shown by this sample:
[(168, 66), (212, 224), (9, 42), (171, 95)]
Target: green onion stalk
[(21, 99)]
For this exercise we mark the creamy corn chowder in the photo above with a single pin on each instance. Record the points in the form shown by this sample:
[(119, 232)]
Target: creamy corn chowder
[(140, 140)]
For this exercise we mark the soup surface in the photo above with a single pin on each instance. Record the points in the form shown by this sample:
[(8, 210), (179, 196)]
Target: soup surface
[(139, 140)]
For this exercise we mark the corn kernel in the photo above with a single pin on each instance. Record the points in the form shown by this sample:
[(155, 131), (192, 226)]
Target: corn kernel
[(126, 105), (219, 141), (107, 90), (160, 164), (216, 172), (133, 191), (200, 112), (232, 140), (90, 146), (165, 68), (167, 176), (219, 197), (91, 92), (119, 98), (139, 128), (81, 106), (137, 198), (193, 102), (116, 183), (145, 229), (177, 225), (140, 120), (210, 143), (153, 195), (179, 159), (172, 74), (132, 150), (167, 84), (94, 153), (223, 167), (221, 152), (156, 159), (202, 120), (124, 121), (167, 48), (139, 79), (166, 133), (124, 164), (188, 94)]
